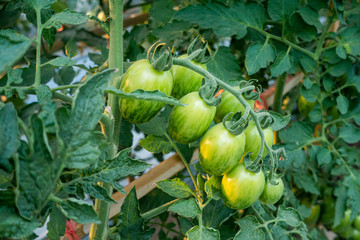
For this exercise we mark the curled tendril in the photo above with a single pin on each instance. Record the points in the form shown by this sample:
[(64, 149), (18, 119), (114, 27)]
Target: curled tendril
[(250, 94), (236, 123), (160, 56), (265, 119), (208, 92), (197, 51), (252, 166), (275, 173)]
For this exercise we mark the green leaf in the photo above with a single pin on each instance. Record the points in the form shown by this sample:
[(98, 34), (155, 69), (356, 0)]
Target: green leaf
[(282, 64), (350, 134), (79, 211), (216, 213), (311, 94), (224, 21), (340, 206), (203, 233), (342, 104), (175, 188), (323, 156), (71, 48), (162, 11), (126, 136), (43, 94), (9, 135), (302, 131), (110, 171), (280, 121), (13, 46), (37, 173), (158, 125), (185, 225), (339, 68), (140, 94), (315, 115), (171, 31), (65, 76), (65, 17), (259, 56), (353, 185), (341, 51), (306, 182), (290, 216), (280, 9), (310, 16), (212, 188), (250, 229), (40, 4), (131, 225), (75, 129), (61, 62), (187, 208), (350, 39), (57, 224), (49, 36), (225, 66), (14, 226), (307, 83), (156, 144), (14, 76), (97, 192)]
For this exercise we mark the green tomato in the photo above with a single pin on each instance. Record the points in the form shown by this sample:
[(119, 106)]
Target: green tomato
[(357, 222), (141, 75), (188, 123), (220, 151), (241, 188), (229, 103), (314, 216), (344, 223), (185, 79), (356, 234), (328, 210), (348, 232), (253, 140), (304, 106), (272, 193)]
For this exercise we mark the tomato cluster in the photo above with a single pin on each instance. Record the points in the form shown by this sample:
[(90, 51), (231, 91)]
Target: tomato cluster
[(221, 152)]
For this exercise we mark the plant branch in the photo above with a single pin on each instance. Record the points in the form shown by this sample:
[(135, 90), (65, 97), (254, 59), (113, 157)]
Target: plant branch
[(280, 84), (158, 210), (38, 48), (263, 221)]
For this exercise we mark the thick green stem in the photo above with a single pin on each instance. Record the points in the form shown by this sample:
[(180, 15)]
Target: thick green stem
[(38, 48), (157, 211), (111, 128), (280, 84)]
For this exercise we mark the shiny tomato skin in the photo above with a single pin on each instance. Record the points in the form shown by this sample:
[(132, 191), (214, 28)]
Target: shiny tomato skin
[(345, 222), (141, 75), (190, 122), (272, 193), (185, 79), (357, 222), (253, 140), (220, 151), (229, 103), (356, 234), (241, 188)]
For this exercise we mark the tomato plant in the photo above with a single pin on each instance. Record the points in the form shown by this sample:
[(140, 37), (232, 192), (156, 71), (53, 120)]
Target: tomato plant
[(240, 118)]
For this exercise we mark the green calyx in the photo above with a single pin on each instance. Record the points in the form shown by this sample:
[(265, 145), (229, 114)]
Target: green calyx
[(235, 124), (160, 57), (265, 119), (208, 92), (250, 94), (197, 51)]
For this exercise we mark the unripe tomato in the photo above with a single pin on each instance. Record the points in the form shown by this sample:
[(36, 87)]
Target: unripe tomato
[(253, 140), (356, 234), (240, 188), (272, 193), (314, 216), (328, 210), (188, 123), (229, 103), (304, 106), (357, 222), (344, 223), (141, 75), (220, 151), (185, 79), (348, 233)]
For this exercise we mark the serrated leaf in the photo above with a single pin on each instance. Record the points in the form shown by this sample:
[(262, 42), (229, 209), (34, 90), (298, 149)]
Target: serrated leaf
[(79, 211), (225, 66), (187, 208), (9, 135), (302, 131), (341, 51), (212, 188), (14, 76), (353, 185), (280, 121), (282, 64), (323, 156), (310, 16), (97, 192), (306, 182), (290, 216), (49, 36), (156, 144), (65, 76), (339, 68), (131, 225), (280, 9), (171, 31), (258, 56), (13, 46), (216, 213), (175, 188), (65, 17), (203, 233), (340, 206), (157, 126), (71, 48), (311, 94), (75, 129), (250, 229), (61, 62), (225, 21), (56, 225), (43, 94), (342, 104), (350, 39), (185, 225), (350, 134), (141, 94)]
